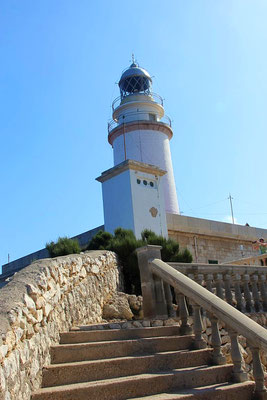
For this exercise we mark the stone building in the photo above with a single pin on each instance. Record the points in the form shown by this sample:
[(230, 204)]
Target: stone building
[(215, 242)]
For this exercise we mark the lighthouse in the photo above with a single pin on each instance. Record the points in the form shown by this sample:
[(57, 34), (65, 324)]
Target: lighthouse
[(140, 130)]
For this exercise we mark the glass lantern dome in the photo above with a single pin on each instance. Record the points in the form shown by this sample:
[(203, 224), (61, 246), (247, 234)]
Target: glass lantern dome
[(135, 80)]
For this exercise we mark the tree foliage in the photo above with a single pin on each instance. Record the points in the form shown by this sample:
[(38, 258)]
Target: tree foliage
[(124, 243), (100, 241), (63, 247)]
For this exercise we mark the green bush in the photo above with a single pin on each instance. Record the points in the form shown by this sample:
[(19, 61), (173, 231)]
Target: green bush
[(124, 244), (100, 241), (63, 247), (170, 248)]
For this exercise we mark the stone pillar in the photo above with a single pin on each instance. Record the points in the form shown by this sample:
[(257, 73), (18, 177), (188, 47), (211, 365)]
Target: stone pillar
[(154, 299)]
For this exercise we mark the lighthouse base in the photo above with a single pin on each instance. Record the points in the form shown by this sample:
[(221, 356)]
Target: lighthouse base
[(133, 198)]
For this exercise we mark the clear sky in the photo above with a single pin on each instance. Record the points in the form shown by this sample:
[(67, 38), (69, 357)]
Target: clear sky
[(60, 61)]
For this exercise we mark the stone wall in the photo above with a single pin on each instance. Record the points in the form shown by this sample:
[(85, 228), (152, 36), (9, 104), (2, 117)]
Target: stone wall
[(207, 248), (16, 265), (42, 300)]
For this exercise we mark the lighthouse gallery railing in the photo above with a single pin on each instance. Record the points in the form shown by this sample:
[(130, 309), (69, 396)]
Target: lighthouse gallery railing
[(141, 116), (154, 97)]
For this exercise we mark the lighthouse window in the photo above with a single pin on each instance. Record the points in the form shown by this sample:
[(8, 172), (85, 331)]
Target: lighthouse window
[(152, 117), (151, 184), (145, 182), (138, 181)]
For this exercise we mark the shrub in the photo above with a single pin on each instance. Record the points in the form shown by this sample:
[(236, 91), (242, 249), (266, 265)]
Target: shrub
[(124, 244), (100, 241), (63, 247), (170, 248)]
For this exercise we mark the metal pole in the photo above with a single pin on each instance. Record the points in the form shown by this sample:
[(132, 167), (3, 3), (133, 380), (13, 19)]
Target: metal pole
[(230, 198), (124, 141), (195, 241)]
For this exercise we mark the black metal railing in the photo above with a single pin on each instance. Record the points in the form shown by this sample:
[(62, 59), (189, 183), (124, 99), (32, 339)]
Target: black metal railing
[(154, 97)]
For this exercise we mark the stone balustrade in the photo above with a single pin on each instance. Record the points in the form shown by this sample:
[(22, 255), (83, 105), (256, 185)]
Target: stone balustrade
[(158, 277), (244, 287)]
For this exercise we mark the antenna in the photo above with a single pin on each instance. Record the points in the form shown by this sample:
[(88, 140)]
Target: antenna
[(231, 205), (134, 61)]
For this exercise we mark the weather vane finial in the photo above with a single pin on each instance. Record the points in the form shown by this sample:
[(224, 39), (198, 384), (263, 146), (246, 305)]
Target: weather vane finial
[(133, 60)]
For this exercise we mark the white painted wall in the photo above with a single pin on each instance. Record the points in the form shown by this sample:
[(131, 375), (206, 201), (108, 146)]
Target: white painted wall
[(145, 198), (137, 107), (151, 147), (128, 204), (117, 202)]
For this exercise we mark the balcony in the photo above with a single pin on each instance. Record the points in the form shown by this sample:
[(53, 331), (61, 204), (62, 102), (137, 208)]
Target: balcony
[(135, 117), (154, 97)]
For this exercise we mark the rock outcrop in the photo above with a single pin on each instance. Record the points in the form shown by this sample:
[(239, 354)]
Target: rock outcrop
[(117, 307), (123, 306)]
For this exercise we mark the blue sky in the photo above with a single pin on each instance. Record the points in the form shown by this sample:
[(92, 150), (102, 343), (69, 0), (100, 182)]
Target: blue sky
[(60, 61)]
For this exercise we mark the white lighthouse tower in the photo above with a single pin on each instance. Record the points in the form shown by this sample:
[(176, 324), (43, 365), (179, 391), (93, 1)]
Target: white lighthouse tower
[(140, 131)]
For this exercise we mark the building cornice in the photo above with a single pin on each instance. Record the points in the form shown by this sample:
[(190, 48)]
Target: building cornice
[(127, 165), (216, 236), (209, 228)]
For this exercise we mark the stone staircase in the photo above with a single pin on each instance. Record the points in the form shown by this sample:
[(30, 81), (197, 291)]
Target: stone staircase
[(153, 363)]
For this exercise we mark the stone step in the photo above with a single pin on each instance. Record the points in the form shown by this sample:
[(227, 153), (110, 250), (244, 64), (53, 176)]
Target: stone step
[(66, 353), (138, 385), (83, 336), (85, 371), (221, 391), (127, 324)]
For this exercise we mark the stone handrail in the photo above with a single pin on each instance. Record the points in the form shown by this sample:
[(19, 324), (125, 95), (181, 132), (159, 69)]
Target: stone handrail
[(156, 279), (244, 287), (211, 303)]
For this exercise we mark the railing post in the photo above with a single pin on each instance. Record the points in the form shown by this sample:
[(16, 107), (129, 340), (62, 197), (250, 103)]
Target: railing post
[(154, 302), (168, 297), (228, 291), (263, 291), (238, 294), (209, 279), (200, 279), (199, 342), (247, 294), (260, 389), (238, 374), (185, 328), (217, 356), (255, 293), (219, 285)]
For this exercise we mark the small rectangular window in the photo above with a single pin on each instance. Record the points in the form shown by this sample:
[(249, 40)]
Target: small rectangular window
[(152, 117), (213, 261)]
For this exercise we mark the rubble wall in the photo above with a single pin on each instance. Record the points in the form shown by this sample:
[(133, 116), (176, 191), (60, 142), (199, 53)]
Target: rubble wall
[(46, 298)]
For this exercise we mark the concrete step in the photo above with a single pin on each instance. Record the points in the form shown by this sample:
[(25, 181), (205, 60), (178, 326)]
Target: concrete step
[(221, 391), (138, 385), (84, 336), (66, 353), (85, 371)]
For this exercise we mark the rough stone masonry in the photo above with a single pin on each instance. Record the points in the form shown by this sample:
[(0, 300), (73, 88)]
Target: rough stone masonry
[(42, 300)]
